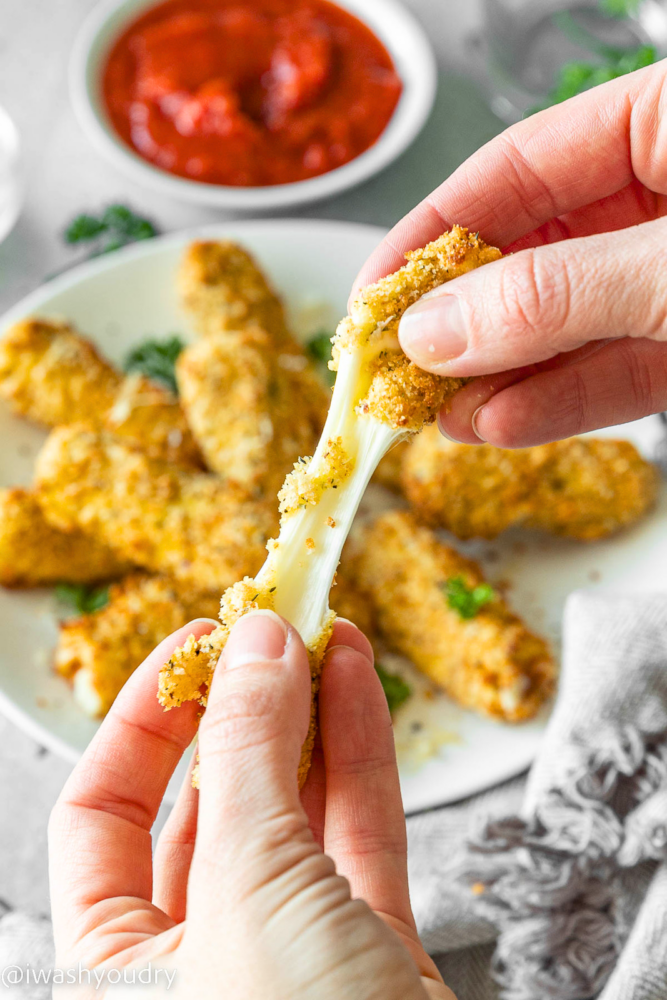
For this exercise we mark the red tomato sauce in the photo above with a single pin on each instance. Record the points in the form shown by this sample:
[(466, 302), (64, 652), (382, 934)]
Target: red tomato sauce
[(249, 93)]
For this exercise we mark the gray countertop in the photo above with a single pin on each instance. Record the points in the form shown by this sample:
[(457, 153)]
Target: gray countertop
[(65, 175)]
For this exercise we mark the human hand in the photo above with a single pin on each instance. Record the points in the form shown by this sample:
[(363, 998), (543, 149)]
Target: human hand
[(241, 900), (570, 333)]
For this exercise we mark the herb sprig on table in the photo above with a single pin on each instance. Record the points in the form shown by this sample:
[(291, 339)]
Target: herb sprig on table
[(397, 691), (116, 227), (467, 601), (81, 597), (156, 359)]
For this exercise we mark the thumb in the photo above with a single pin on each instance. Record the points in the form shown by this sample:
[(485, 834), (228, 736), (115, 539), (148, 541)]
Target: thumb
[(250, 742), (541, 302)]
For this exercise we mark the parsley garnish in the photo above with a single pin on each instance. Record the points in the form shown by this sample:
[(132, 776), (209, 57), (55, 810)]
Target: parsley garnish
[(576, 77), (395, 688), (319, 349), (116, 227), (82, 598), (468, 601), (620, 8), (157, 360)]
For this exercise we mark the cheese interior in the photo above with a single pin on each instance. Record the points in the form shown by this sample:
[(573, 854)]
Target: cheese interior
[(299, 571)]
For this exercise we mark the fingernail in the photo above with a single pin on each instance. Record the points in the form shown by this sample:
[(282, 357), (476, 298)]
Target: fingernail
[(433, 330), (349, 649), (474, 420), (204, 621), (443, 431), (260, 635)]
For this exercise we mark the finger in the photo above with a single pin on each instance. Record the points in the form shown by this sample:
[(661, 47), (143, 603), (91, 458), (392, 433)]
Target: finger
[(458, 421), (250, 744), (99, 831), (365, 824), (541, 303), (535, 170), (174, 850), (313, 794), (624, 381), (631, 206)]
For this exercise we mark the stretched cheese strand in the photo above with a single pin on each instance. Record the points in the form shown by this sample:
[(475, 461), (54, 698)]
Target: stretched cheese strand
[(379, 398)]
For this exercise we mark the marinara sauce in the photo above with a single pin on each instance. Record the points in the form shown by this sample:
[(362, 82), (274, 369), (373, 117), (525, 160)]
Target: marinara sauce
[(248, 94)]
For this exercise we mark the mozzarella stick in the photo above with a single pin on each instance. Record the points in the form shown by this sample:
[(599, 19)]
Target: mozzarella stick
[(98, 652), (379, 399), (470, 644), (222, 288), (52, 375), (253, 410), (582, 488), (184, 524), (35, 554)]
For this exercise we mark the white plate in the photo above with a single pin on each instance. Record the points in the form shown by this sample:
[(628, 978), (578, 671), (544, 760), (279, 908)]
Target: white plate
[(119, 300)]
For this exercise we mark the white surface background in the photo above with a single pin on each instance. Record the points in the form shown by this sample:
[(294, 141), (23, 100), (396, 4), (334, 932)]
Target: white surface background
[(64, 176)]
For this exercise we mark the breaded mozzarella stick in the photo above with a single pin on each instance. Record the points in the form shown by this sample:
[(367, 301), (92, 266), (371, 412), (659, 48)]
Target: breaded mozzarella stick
[(35, 554), (98, 652), (187, 525), (379, 398), (583, 488), (490, 661)]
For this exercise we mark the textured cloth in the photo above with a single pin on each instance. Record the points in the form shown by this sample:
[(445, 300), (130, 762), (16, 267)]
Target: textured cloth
[(567, 872)]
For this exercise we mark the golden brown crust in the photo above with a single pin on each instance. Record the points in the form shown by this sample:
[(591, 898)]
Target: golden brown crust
[(147, 414), (187, 525), (35, 554), (109, 645), (252, 409), (583, 488), (490, 663), (401, 394), (222, 288), (51, 374), (188, 673)]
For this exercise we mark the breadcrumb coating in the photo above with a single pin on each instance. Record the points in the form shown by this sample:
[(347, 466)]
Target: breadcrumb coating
[(252, 409), (52, 375), (302, 488), (400, 393), (188, 673), (148, 415), (222, 288), (35, 554), (187, 525), (582, 488), (490, 663), (100, 651)]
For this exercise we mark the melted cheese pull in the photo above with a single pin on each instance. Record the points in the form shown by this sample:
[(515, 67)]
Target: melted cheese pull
[(380, 397)]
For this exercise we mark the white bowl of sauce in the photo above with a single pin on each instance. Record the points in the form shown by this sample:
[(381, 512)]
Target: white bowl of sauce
[(252, 104)]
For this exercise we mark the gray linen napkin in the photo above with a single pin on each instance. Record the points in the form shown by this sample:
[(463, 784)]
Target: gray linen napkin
[(570, 879)]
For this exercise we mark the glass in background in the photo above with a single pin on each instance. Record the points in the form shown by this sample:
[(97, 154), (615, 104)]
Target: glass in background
[(11, 194), (537, 52)]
